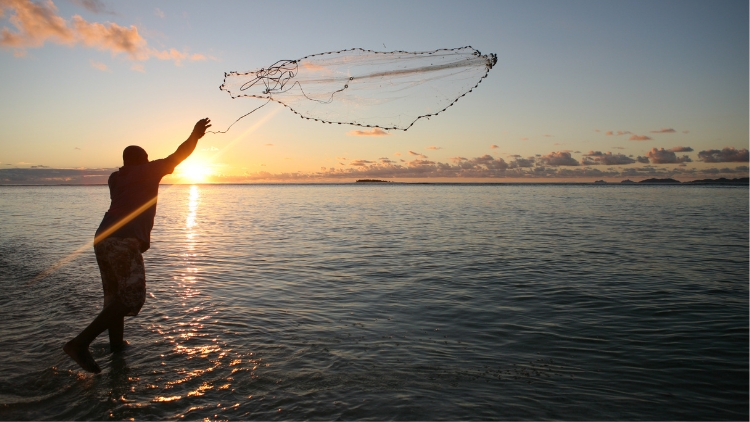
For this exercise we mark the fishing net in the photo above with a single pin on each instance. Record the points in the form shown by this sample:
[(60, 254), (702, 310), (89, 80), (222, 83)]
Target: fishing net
[(388, 90)]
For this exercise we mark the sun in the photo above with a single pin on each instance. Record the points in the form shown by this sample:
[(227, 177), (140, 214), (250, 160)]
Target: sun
[(194, 172)]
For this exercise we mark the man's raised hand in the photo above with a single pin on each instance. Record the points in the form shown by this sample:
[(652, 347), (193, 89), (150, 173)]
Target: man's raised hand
[(200, 128)]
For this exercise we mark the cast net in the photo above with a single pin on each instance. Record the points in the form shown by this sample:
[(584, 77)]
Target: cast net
[(388, 90)]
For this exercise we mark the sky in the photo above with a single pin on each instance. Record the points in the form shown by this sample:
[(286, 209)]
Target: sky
[(582, 90)]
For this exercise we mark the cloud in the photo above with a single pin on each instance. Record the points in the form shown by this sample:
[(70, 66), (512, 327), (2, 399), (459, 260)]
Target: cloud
[(560, 158), (39, 23), (43, 175), (522, 163), (524, 139), (640, 138), (398, 154), (417, 154), (642, 160), (99, 66), (138, 67), (93, 6), (376, 131), (159, 13), (726, 155), (493, 146), (681, 149), (461, 168), (417, 163), (619, 133), (662, 156), (176, 56), (268, 145), (609, 159), (664, 130), (726, 170), (618, 148), (434, 148), (547, 136)]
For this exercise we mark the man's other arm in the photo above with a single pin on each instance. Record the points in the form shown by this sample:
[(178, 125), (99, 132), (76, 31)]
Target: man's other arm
[(187, 147)]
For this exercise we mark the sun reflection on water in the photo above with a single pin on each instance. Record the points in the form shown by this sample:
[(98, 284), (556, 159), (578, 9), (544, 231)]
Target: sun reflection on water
[(198, 367)]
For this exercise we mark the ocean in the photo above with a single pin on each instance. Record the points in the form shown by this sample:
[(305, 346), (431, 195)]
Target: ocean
[(388, 301)]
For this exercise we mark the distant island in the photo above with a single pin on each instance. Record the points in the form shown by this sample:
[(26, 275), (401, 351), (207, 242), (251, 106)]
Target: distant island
[(372, 181), (721, 181), (660, 181)]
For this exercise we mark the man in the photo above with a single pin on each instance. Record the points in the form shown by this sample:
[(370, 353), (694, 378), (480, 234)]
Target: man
[(124, 233)]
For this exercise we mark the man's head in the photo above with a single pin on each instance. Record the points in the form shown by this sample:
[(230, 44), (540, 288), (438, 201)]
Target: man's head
[(134, 155)]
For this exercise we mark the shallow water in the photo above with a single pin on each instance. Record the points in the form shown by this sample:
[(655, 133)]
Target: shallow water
[(388, 302)]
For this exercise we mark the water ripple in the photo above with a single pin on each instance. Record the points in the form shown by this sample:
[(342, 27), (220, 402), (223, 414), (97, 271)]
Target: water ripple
[(389, 302)]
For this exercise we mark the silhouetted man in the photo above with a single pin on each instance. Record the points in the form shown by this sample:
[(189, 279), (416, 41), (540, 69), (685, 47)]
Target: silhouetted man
[(124, 233)]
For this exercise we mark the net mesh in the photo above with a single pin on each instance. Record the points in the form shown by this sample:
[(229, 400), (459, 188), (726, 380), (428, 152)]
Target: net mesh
[(388, 90)]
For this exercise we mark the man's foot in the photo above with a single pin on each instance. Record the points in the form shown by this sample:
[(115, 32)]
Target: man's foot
[(120, 347), (82, 356)]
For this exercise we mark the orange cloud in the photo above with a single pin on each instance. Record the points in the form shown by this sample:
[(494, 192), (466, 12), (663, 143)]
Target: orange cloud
[(640, 138), (376, 131), (619, 133), (493, 146), (39, 23), (662, 156), (93, 6), (606, 158), (434, 148), (664, 130), (560, 158), (726, 155), (99, 66)]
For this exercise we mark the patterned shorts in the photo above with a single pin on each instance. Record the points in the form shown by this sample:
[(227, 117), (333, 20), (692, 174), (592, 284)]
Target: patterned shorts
[(123, 275)]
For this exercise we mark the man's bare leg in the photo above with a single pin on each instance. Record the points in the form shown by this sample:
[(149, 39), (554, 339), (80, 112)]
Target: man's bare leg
[(78, 348), (116, 331)]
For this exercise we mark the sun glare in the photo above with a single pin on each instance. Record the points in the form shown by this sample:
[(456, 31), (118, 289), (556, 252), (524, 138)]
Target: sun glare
[(194, 172)]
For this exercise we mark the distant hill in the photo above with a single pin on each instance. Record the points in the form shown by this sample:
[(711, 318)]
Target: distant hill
[(372, 181), (722, 181), (660, 181)]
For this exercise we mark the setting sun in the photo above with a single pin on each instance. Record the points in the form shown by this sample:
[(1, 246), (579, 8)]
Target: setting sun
[(193, 172)]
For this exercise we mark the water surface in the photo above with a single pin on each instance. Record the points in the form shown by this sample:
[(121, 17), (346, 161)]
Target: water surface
[(388, 302)]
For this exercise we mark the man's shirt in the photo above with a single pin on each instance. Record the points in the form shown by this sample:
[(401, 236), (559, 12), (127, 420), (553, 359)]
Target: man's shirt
[(130, 188)]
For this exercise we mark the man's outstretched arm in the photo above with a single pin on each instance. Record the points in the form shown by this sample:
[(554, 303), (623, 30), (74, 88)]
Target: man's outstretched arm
[(187, 147)]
